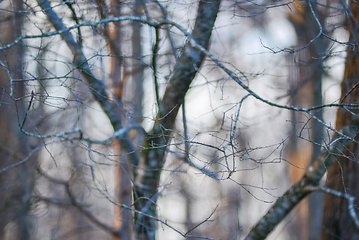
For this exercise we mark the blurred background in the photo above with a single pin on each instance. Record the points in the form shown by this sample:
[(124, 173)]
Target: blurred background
[(61, 171)]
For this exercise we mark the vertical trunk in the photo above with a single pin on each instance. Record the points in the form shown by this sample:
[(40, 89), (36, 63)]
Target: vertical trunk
[(343, 175), (123, 193), (123, 217), (307, 92), (147, 183), (114, 42), (15, 184), (137, 68), (133, 95)]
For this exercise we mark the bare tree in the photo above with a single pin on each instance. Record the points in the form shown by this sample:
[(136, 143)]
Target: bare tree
[(109, 97)]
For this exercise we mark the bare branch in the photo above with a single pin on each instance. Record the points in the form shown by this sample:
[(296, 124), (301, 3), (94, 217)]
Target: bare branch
[(97, 87), (182, 76), (298, 191)]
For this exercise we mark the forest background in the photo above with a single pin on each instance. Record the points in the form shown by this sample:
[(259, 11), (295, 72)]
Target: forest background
[(178, 119)]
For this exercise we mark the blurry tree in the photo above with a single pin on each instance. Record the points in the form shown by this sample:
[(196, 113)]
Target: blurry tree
[(343, 176), (101, 92), (306, 91), (15, 184)]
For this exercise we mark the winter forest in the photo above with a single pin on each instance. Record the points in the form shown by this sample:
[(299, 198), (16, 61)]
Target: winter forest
[(173, 120)]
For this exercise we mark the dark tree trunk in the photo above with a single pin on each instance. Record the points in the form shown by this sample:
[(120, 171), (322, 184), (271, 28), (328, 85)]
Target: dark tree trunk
[(343, 175), (147, 183), (16, 183)]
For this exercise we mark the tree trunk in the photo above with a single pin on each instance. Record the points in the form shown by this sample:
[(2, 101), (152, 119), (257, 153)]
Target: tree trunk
[(134, 97), (343, 175), (16, 183), (307, 92), (147, 182)]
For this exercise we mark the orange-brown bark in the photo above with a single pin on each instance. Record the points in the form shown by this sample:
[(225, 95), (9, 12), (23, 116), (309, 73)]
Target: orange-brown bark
[(115, 82), (343, 175), (306, 92), (123, 192), (119, 79)]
